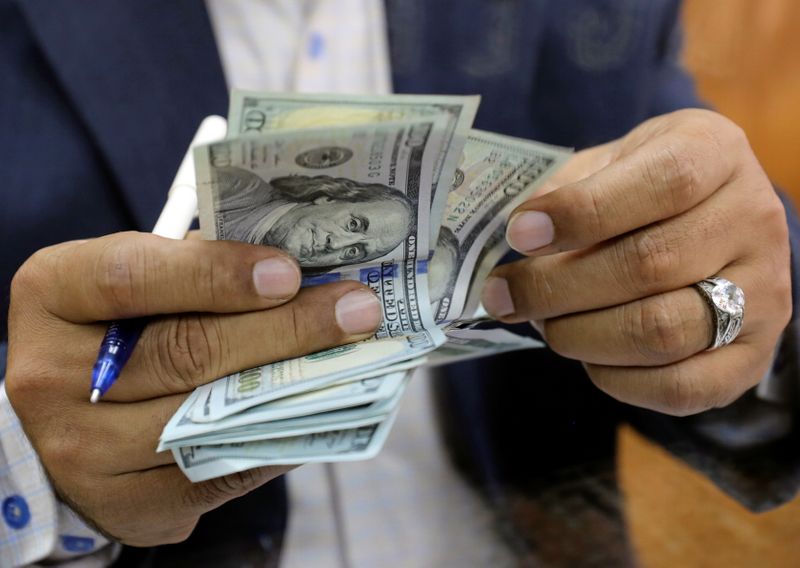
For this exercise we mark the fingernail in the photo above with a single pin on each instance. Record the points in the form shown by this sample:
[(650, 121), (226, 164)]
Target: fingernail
[(529, 230), (276, 278), (496, 297), (358, 312)]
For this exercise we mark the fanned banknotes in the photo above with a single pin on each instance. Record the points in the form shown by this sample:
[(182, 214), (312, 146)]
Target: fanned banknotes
[(495, 174), (395, 192)]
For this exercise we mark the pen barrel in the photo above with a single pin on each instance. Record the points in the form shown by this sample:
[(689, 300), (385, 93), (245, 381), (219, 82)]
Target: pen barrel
[(115, 350), (121, 338)]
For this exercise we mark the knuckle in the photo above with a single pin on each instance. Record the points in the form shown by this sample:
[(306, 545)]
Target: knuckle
[(648, 259), (737, 135), (716, 138), (658, 331), (559, 337), (684, 395), (203, 495), (141, 535), (774, 218), (32, 276), (783, 296), (722, 131), (25, 382), (177, 534), (27, 277), (556, 340), (63, 449), (207, 280), (190, 350), (118, 274), (704, 122), (593, 219), (295, 327), (214, 492), (675, 169), (296, 339), (535, 294), (777, 278)]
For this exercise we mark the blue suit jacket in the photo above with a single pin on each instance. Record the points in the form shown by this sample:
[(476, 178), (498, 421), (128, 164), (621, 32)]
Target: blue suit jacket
[(100, 98)]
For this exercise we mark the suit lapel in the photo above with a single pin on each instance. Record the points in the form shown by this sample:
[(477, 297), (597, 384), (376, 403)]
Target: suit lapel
[(141, 75)]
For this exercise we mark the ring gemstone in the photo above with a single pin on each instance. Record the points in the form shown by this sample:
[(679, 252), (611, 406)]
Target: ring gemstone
[(728, 297), (726, 301)]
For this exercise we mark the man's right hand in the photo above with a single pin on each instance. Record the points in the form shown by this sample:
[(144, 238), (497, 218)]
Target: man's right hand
[(217, 307)]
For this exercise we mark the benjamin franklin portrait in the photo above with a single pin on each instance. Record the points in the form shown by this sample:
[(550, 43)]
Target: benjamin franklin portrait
[(444, 266), (320, 220)]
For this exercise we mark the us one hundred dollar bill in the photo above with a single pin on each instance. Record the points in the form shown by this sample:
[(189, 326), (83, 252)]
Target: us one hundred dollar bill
[(253, 113), (347, 202), (318, 194)]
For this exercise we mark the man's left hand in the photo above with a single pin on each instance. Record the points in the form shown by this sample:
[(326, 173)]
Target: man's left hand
[(615, 247)]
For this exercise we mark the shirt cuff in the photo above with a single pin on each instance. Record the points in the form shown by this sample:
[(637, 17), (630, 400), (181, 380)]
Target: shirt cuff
[(35, 526)]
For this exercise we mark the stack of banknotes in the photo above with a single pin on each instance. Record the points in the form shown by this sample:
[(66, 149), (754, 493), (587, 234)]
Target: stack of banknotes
[(397, 192)]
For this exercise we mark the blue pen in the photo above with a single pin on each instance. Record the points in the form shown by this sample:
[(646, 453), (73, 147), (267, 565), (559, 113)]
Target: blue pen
[(173, 223), (115, 350)]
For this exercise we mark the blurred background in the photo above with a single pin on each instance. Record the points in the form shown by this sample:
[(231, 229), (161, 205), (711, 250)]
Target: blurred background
[(745, 55)]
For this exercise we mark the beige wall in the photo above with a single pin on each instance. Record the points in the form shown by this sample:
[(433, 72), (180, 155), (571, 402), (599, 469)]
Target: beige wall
[(746, 57)]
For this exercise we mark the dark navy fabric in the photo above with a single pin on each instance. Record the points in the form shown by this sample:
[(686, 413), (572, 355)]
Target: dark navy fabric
[(99, 100)]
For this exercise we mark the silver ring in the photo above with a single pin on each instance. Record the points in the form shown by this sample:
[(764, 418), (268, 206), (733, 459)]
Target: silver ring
[(726, 300)]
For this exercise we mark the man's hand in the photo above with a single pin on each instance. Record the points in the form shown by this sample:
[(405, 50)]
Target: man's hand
[(217, 307), (615, 249)]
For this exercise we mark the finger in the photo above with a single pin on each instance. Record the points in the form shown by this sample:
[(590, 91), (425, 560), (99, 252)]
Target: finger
[(134, 274), (710, 379), (178, 354), (208, 495), (663, 177), (653, 260), (664, 328), (657, 330)]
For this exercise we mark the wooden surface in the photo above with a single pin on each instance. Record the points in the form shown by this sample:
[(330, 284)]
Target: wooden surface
[(745, 55)]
